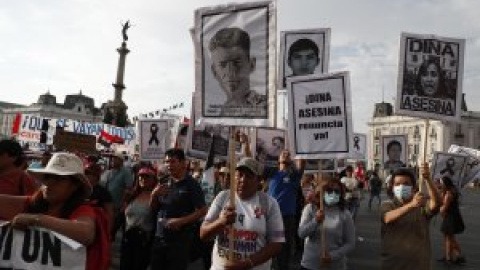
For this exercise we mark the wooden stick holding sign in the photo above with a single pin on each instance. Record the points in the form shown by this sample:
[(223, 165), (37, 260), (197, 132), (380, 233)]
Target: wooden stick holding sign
[(233, 186), (424, 157), (321, 207)]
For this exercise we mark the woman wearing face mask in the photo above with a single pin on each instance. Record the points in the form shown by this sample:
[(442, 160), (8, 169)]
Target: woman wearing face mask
[(405, 224), (338, 225)]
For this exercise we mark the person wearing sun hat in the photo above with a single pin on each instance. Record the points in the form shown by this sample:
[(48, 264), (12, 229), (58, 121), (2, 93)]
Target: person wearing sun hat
[(255, 213), (59, 205)]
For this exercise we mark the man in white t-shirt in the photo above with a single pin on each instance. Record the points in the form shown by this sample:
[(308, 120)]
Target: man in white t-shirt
[(255, 219), (352, 194)]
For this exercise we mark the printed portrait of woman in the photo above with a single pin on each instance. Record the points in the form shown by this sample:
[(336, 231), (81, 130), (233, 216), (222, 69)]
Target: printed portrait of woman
[(431, 81)]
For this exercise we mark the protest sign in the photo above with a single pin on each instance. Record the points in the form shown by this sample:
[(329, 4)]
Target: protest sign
[(321, 117), (155, 138), (30, 128), (359, 146), (269, 144), (448, 164), (394, 151), (303, 52), (322, 165), (430, 77), (74, 142), (38, 248), (235, 63), (472, 168)]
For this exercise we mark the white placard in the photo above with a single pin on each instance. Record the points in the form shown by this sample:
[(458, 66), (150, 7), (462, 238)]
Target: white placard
[(320, 116), (359, 146), (472, 168), (303, 52), (430, 77), (269, 144), (451, 165), (394, 151), (38, 249), (235, 63), (155, 138)]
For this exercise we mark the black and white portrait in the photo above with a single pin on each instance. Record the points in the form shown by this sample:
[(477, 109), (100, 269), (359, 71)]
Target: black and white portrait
[(303, 52), (236, 75), (394, 151), (269, 144), (430, 76), (450, 165)]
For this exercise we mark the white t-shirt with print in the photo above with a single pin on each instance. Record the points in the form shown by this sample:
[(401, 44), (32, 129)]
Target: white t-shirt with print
[(252, 232), (351, 184)]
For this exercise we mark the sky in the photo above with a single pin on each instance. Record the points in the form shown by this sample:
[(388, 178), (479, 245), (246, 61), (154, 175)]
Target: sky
[(67, 46)]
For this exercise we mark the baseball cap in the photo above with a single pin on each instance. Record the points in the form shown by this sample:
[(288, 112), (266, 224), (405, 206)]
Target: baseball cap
[(250, 164)]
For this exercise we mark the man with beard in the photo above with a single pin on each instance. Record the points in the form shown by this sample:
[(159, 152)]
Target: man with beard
[(284, 186)]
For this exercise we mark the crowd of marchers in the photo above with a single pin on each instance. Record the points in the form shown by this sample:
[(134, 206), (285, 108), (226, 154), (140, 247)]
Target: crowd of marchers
[(171, 213)]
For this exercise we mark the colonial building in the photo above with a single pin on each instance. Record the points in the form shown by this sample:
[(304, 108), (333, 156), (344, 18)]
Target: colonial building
[(76, 107), (440, 134)]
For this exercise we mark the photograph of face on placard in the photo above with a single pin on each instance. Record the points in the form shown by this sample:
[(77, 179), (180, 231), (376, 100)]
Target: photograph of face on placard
[(394, 151), (269, 144), (430, 72), (450, 165), (234, 53), (303, 52)]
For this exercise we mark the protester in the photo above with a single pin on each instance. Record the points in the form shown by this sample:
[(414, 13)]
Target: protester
[(100, 196), (264, 235), (223, 181), (284, 186), (13, 179), (308, 187), (118, 180), (375, 186), (338, 226), (405, 231), (352, 194), (452, 223), (178, 203), (136, 241), (60, 206)]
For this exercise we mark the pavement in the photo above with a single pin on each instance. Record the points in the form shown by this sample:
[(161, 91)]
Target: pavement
[(366, 255)]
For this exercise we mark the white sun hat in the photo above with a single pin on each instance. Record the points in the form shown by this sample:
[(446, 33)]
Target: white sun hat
[(64, 164)]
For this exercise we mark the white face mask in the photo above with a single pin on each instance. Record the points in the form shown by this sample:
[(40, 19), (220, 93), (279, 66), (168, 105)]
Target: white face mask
[(402, 192)]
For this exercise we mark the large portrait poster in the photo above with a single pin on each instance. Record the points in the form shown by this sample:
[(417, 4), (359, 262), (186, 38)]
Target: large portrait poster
[(320, 116), (269, 144), (155, 138), (472, 168), (451, 165), (359, 148), (303, 52), (430, 77), (235, 65), (394, 151)]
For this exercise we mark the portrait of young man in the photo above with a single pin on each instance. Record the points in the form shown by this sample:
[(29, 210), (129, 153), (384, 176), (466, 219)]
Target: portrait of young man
[(394, 152), (304, 52)]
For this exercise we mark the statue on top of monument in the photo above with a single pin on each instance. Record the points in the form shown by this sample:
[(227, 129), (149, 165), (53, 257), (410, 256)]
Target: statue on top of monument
[(125, 27)]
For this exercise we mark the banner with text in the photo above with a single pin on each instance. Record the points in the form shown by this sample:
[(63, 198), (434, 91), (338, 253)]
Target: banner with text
[(430, 77), (321, 116), (38, 249)]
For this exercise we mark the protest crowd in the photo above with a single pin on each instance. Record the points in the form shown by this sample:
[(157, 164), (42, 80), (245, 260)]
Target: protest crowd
[(166, 219)]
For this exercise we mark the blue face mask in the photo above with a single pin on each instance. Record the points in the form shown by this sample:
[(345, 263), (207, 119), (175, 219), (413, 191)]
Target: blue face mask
[(402, 192), (331, 198)]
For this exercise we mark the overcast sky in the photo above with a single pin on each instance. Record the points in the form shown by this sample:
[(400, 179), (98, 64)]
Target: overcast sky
[(65, 46)]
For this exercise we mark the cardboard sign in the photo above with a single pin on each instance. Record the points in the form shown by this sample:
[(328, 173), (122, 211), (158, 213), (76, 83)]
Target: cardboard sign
[(74, 142), (321, 117), (430, 77)]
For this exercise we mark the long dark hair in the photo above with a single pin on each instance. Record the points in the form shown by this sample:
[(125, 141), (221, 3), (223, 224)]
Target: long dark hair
[(342, 202), (137, 189), (448, 184), (39, 204)]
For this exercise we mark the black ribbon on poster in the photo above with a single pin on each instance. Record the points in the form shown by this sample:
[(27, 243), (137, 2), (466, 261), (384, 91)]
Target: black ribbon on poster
[(153, 133), (356, 140)]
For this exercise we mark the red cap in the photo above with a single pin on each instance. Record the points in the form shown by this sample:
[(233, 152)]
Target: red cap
[(146, 171)]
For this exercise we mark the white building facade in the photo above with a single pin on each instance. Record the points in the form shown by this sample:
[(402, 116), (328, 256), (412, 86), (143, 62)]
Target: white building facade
[(439, 136)]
